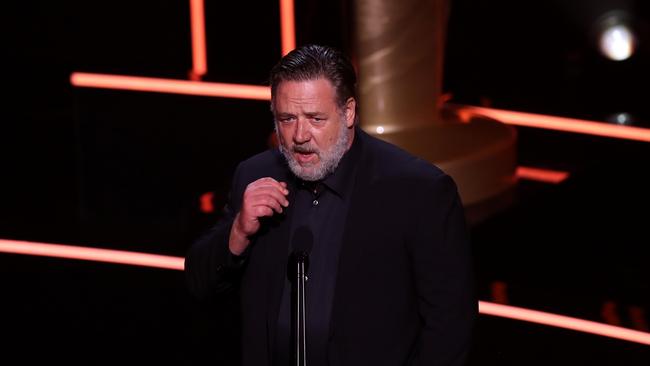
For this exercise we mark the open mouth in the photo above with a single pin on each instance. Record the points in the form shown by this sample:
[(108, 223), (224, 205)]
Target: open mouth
[(304, 157)]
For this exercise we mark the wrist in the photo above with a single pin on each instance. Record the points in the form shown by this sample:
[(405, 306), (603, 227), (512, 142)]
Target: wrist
[(238, 241)]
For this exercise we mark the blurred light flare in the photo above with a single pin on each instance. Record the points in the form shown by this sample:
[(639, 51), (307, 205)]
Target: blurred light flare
[(199, 53), (617, 42), (467, 112), (206, 202), (91, 254), (623, 118), (287, 26), (541, 175), (159, 85), (566, 322)]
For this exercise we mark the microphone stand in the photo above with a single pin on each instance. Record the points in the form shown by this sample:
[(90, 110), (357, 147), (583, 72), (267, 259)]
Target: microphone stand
[(301, 336)]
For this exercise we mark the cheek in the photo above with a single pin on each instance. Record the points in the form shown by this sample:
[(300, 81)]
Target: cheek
[(284, 134), (323, 141), (333, 133)]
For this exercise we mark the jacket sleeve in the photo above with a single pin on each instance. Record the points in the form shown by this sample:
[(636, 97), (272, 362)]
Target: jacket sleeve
[(210, 267), (440, 252)]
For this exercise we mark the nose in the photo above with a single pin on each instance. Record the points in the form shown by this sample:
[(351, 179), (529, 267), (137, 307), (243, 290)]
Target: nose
[(302, 132)]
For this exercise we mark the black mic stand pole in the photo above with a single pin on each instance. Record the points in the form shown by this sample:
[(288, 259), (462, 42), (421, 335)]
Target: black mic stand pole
[(301, 337)]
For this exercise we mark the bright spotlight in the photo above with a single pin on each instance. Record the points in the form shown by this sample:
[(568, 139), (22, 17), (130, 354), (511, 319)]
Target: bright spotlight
[(622, 118), (617, 43), (616, 40)]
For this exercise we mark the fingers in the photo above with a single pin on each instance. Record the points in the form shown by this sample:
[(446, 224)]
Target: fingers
[(263, 195), (269, 203), (267, 191), (263, 211), (269, 182)]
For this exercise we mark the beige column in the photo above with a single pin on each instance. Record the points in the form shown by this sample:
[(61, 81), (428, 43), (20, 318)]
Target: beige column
[(400, 52), (399, 47)]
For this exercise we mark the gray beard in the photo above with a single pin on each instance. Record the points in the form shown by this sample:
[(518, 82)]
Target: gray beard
[(328, 160)]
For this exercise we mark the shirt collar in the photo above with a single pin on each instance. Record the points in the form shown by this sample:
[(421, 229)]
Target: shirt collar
[(341, 180)]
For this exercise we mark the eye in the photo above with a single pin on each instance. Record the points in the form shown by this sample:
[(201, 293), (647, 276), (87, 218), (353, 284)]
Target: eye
[(286, 119)]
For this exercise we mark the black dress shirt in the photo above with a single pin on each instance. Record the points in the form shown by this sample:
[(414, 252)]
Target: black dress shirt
[(321, 206)]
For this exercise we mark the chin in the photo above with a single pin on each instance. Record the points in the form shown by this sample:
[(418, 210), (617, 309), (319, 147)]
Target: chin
[(308, 173), (308, 165), (307, 170)]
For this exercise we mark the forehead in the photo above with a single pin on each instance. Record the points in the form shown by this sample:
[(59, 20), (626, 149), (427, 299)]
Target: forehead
[(319, 92)]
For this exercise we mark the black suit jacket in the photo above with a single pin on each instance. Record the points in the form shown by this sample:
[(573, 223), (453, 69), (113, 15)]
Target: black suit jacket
[(404, 292)]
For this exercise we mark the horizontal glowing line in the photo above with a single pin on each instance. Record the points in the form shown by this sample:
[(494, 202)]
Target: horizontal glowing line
[(177, 263), (159, 85), (92, 254), (287, 26), (562, 321), (197, 19), (541, 175), (557, 123)]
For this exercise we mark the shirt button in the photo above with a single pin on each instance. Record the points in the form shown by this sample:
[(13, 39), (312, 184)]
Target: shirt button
[(315, 203)]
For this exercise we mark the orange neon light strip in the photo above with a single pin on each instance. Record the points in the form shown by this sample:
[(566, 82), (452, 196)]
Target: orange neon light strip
[(199, 53), (541, 175), (91, 254), (173, 86), (557, 123), (287, 26), (177, 263), (561, 321)]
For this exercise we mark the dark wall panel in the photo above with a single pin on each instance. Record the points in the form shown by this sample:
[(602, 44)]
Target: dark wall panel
[(146, 158)]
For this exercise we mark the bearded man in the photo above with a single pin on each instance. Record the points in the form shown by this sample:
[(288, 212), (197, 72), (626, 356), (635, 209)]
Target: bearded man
[(389, 279)]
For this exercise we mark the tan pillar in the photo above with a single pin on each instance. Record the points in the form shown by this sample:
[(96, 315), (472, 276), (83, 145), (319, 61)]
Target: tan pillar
[(400, 52), (399, 49)]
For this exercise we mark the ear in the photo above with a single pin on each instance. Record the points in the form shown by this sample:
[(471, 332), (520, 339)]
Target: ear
[(350, 111)]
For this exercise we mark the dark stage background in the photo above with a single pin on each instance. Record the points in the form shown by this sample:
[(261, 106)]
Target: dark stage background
[(126, 170)]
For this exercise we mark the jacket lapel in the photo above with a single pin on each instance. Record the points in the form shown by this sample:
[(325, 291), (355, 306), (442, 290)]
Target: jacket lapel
[(350, 256)]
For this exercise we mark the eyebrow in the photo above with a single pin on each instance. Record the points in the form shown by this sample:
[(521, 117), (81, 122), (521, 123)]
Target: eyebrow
[(308, 114), (316, 114)]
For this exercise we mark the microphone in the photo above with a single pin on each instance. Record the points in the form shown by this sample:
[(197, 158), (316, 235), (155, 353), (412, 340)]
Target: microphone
[(302, 242)]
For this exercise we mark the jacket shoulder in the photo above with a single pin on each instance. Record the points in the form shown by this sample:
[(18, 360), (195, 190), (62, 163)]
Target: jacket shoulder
[(269, 163)]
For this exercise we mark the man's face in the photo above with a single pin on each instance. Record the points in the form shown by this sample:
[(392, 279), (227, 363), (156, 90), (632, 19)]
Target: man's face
[(313, 131)]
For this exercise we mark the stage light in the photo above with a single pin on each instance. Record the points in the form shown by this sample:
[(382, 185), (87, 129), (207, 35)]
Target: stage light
[(383, 129), (616, 40), (622, 118)]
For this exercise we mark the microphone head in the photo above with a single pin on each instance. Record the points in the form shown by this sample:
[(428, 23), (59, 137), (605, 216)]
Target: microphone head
[(301, 244), (303, 241)]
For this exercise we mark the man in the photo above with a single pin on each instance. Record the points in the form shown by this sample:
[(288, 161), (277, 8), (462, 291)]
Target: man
[(389, 281)]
